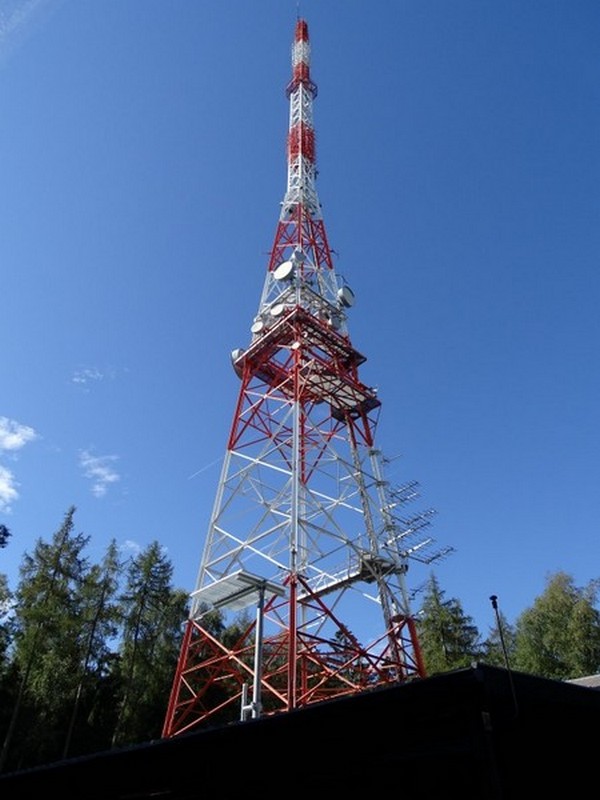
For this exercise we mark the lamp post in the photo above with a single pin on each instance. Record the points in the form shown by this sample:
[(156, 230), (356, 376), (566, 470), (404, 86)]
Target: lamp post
[(494, 601)]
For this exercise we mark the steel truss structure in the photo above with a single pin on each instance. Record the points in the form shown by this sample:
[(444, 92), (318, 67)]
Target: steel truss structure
[(305, 534)]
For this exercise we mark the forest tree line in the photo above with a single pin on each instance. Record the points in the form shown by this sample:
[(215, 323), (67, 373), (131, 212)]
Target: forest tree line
[(88, 650)]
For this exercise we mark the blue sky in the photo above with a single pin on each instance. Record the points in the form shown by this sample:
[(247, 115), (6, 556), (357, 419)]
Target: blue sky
[(142, 149)]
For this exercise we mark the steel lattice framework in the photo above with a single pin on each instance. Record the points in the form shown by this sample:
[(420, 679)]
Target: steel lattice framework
[(304, 529)]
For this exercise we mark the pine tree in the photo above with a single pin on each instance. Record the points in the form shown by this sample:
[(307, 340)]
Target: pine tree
[(5, 535), (499, 648), (90, 724), (153, 613), (47, 649), (7, 677), (448, 638), (5, 632)]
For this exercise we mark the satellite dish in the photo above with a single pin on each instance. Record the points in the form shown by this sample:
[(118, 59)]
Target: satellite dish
[(298, 256), (277, 309), (346, 296), (283, 271), (257, 326), (235, 354)]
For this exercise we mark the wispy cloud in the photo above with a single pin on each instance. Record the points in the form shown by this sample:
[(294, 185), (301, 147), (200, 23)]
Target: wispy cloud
[(85, 376), (130, 549), (18, 19), (13, 436), (99, 470), (8, 489)]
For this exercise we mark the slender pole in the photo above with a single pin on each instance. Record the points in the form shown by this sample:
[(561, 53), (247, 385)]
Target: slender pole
[(494, 600), (254, 708), (258, 654)]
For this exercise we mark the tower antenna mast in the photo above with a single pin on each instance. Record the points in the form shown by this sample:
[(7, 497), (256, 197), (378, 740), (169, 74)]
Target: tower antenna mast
[(305, 530)]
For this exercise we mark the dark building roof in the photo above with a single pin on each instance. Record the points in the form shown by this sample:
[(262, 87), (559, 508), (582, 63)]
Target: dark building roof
[(479, 733)]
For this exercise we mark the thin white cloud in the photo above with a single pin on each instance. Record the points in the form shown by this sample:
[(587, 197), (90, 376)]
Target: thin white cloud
[(18, 19), (85, 376), (13, 435), (130, 548), (8, 489), (99, 470)]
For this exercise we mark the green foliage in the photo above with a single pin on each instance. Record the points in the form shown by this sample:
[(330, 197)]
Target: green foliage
[(5, 535), (47, 648), (213, 621), (498, 649), (5, 627), (88, 651), (448, 638), (559, 636), (47, 615), (152, 612), (83, 666), (99, 627)]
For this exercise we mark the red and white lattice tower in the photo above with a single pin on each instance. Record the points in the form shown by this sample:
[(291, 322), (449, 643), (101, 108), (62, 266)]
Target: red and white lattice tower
[(305, 533)]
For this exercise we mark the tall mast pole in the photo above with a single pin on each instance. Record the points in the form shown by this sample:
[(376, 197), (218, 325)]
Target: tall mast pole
[(304, 528)]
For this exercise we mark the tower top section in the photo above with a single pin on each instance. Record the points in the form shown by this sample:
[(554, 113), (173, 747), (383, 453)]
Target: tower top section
[(301, 91), (300, 273), (301, 61)]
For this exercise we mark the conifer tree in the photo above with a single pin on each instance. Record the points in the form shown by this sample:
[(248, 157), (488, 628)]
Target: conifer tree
[(7, 677), (5, 634), (91, 722), (448, 638), (153, 613), (5, 535), (46, 644), (499, 648)]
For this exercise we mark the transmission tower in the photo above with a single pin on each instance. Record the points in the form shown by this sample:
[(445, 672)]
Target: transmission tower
[(307, 545)]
